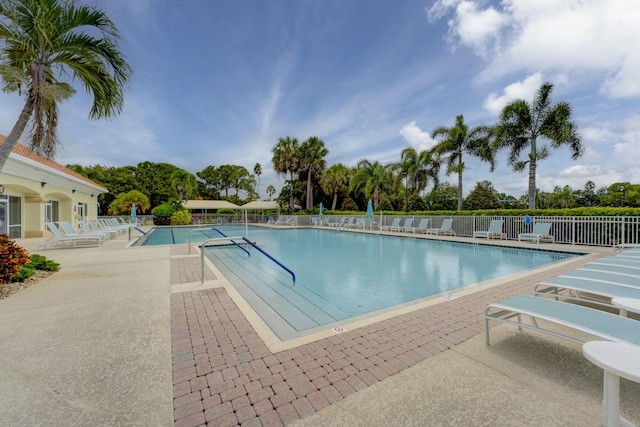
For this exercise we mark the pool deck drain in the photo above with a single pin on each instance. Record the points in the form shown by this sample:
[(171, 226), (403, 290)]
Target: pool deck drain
[(224, 374)]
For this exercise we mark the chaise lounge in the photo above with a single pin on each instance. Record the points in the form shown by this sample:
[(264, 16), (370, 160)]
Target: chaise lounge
[(444, 229), (58, 239), (601, 324), (539, 233), (494, 231)]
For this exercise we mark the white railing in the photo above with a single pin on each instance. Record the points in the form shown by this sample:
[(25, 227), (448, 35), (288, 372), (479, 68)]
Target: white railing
[(574, 230)]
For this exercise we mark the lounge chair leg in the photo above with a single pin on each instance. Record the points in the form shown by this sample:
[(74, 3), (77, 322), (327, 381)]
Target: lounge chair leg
[(486, 329)]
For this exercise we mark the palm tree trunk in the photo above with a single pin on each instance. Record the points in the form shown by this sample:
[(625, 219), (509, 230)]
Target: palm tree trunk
[(291, 203), (460, 190), (335, 201), (13, 137), (309, 190), (532, 174)]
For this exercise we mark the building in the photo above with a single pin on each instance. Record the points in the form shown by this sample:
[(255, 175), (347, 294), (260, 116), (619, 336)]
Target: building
[(35, 190)]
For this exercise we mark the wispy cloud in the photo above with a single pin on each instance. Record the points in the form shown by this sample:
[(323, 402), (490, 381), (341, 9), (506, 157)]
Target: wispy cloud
[(562, 36)]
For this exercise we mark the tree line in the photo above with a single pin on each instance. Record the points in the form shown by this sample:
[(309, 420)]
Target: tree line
[(527, 130)]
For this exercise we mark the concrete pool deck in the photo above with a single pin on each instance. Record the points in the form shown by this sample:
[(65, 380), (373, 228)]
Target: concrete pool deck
[(128, 336)]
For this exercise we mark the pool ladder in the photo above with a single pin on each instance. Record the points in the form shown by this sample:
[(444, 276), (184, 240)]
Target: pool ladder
[(232, 240)]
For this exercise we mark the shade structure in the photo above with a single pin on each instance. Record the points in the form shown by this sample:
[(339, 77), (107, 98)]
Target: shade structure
[(260, 205), (210, 204), (320, 209), (370, 209)]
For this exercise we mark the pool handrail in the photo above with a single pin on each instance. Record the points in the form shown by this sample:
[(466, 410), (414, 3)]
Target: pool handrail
[(214, 229), (204, 245), (249, 242)]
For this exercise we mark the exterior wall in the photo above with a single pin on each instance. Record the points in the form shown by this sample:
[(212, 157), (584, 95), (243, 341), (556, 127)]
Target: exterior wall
[(69, 191)]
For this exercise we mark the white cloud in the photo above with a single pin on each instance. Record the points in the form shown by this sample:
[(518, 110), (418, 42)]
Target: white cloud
[(525, 89), (476, 28), (416, 137), (553, 36)]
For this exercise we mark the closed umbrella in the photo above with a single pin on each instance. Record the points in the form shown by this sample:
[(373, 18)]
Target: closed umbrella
[(133, 212), (370, 213), (320, 213)]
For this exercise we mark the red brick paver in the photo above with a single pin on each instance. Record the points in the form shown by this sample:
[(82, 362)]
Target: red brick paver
[(225, 374)]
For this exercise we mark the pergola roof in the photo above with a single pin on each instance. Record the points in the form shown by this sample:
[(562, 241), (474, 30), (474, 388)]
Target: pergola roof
[(260, 205), (210, 204)]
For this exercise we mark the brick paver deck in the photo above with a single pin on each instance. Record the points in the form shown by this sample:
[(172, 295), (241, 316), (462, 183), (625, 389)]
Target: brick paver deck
[(224, 375), (185, 268)]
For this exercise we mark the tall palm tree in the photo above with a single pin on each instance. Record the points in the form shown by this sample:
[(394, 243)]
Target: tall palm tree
[(416, 169), (257, 170), (184, 182), (458, 140), (312, 154), (371, 179), (286, 160), (335, 180), (43, 41), (521, 124)]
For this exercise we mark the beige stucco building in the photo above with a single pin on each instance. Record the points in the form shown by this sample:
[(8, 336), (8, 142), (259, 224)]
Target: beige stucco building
[(35, 190)]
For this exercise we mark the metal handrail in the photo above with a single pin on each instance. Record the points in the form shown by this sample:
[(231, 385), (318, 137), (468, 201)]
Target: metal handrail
[(204, 245), (270, 257), (214, 229)]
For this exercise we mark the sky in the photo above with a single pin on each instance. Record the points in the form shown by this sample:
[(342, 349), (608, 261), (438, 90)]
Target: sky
[(219, 82)]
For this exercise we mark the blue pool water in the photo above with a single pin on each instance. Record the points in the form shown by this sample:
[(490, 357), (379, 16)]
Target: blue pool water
[(340, 275)]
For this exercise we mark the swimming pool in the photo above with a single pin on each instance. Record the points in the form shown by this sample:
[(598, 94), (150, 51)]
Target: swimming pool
[(341, 275)]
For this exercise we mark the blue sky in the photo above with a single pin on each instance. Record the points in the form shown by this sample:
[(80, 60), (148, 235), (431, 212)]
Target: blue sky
[(218, 82)]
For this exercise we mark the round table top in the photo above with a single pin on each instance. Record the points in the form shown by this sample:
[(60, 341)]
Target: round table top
[(630, 304), (618, 358)]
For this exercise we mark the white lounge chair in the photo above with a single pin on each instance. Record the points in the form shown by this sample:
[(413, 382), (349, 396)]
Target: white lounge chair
[(611, 277), (494, 231), (444, 229), (598, 292), (57, 238), (598, 323), (394, 224), (348, 223), (539, 233), (69, 231), (88, 229), (407, 223), (619, 269), (422, 227)]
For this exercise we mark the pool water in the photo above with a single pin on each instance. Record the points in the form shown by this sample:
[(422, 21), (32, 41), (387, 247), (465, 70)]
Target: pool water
[(340, 275)]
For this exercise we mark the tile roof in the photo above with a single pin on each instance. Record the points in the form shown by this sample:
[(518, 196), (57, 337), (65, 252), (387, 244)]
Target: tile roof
[(23, 151)]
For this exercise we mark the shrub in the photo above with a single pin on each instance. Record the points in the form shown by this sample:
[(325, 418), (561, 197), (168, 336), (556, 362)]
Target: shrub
[(26, 271), (181, 217), (162, 214), (164, 210), (40, 262), (35, 262), (12, 258)]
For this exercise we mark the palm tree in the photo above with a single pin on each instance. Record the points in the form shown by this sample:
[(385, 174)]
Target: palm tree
[(184, 182), (46, 40), (257, 170), (312, 154), (521, 124), (271, 190), (335, 180), (371, 179), (285, 159), (459, 140), (416, 169)]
